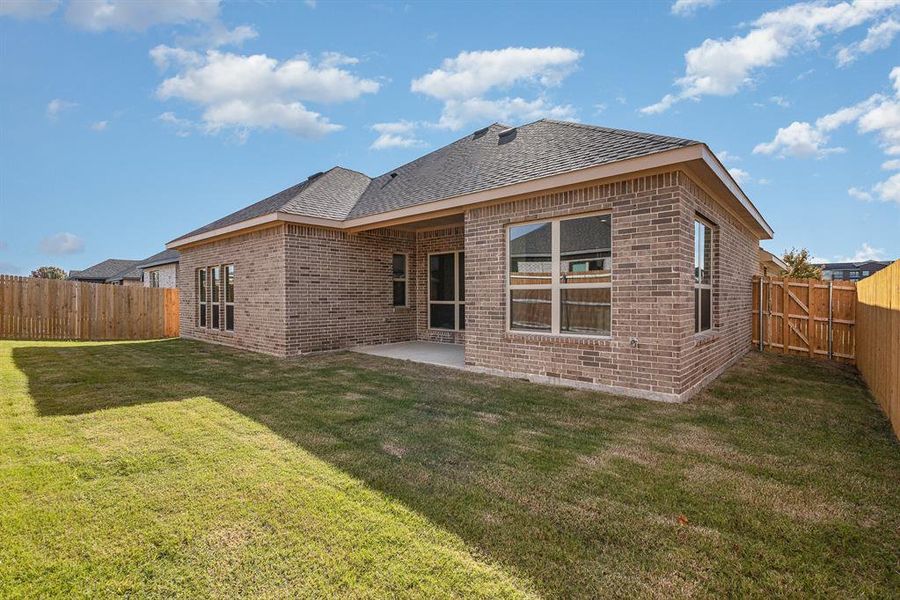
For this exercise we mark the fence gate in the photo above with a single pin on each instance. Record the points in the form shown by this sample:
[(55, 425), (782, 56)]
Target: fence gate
[(805, 317)]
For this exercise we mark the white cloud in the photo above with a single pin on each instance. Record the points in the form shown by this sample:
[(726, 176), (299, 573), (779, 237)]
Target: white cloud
[(61, 243), (399, 134), (28, 9), (797, 139), (125, 15), (182, 127), (891, 165), (889, 190), (740, 175), (863, 254), (877, 38), (56, 106), (100, 125), (859, 194), (723, 67), (457, 113), (463, 83), (780, 101), (726, 156), (878, 114), (683, 8), (244, 92), (216, 35)]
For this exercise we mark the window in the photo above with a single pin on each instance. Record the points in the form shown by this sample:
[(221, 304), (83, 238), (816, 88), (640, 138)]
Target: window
[(702, 276), (560, 276), (201, 296), (216, 286), (229, 297), (154, 279), (399, 276), (447, 291), (865, 273)]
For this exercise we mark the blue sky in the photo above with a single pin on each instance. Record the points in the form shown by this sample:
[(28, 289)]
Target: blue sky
[(125, 125)]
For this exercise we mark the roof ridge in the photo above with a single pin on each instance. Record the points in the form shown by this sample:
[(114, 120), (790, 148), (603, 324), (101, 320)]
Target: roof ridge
[(617, 130)]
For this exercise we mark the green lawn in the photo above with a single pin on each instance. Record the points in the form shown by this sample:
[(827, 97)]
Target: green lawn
[(179, 469)]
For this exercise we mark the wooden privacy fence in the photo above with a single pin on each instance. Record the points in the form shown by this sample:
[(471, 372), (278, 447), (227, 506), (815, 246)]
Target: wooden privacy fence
[(49, 309), (878, 338), (806, 317)]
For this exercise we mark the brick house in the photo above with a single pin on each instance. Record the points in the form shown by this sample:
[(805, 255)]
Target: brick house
[(557, 251)]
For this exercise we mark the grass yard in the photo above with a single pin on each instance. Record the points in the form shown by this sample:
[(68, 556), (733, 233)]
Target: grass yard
[(178, 469)]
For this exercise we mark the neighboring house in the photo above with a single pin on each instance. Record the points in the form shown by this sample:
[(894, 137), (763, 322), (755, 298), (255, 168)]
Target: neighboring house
[(850, 271), (771, 265), (106, 271), (562, 252), (161, 269), (130, 276)]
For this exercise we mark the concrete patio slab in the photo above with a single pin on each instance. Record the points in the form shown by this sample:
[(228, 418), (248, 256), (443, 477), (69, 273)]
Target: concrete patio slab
[(432, 353)]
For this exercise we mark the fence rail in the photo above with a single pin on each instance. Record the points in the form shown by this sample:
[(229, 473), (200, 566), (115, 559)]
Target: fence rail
[(878, 345), (48, 309), (805, 317)]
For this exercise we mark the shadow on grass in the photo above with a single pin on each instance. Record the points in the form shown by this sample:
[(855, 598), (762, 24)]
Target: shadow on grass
[(581, 492)]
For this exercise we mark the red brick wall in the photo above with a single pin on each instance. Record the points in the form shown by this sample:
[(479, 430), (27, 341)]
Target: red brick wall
[(652, 287), (449, 239), (259, 321), (339, 290)]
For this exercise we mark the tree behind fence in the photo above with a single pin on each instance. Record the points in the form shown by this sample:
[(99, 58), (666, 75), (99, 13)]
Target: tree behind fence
[(48, 309)]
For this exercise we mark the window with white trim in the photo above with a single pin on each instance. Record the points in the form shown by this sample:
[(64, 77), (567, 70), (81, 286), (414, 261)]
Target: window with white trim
[(447, 291), (702, 276), (399, 279), (215, 276), (154, 279), (560, 276)]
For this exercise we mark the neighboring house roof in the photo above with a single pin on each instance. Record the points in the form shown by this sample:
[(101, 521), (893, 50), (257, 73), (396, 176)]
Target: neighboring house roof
[(102, 271), (491, 158), (766, 256), (843, 266), (166, 257), (133, 272), (578, 236)]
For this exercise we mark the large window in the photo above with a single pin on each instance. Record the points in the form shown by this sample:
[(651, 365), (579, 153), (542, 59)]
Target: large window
[(215, 297), (447, 291), (400, 281), (702, 276), (560, 276)]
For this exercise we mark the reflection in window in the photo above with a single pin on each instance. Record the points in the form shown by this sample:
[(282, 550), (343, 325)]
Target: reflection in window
[(446, 291), (702, 276)]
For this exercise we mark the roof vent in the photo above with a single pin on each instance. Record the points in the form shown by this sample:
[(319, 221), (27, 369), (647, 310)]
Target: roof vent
[(507, 135), (480, 132), (315, 175), (394, 174)]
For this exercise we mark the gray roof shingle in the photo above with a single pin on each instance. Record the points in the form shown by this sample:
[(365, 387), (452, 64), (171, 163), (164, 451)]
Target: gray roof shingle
[(477, 162), (104, 270), (328, 195), (483, 161), (161, 258)]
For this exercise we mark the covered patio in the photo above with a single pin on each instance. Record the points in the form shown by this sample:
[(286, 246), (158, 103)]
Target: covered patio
[(432, 353)]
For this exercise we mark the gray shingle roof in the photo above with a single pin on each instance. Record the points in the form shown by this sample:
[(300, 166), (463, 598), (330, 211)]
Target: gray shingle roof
[(161, 258), (477, 162), (483, 161), (104, 270), (329, 195), (133, 272)]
